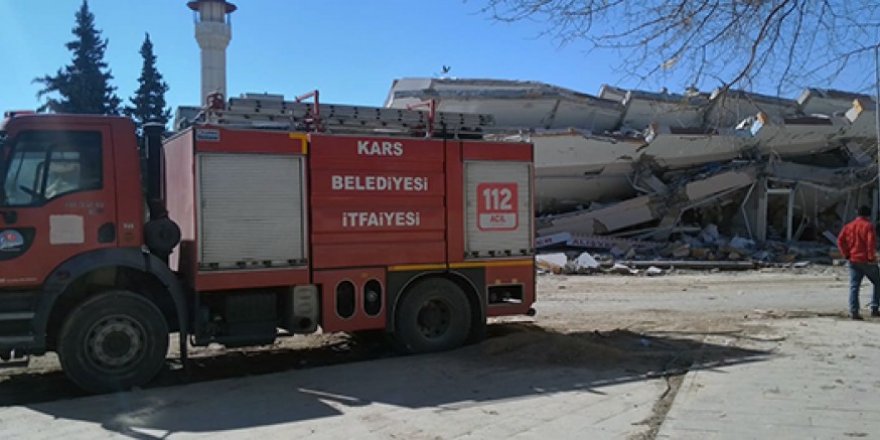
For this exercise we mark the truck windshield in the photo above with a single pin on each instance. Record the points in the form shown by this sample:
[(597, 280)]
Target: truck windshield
[(42, 165)]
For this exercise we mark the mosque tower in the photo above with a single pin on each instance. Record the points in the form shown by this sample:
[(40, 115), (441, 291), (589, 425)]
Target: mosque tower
[(213, 32)]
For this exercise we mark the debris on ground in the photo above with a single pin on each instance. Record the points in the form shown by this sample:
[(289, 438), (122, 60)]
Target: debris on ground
[(554, 263), (622, 269), (585, 263), (653, 271)]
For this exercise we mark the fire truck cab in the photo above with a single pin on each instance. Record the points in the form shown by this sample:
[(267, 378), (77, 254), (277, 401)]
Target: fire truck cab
[(237, 235)]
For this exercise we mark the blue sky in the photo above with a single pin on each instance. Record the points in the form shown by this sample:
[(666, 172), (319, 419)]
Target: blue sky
[(350, 50)]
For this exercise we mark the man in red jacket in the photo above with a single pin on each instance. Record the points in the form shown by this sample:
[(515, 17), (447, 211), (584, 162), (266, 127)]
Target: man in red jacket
[(857, 242)]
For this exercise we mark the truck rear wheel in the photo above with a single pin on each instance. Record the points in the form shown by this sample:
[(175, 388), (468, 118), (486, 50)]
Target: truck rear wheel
[(113, 341), (434, 315)]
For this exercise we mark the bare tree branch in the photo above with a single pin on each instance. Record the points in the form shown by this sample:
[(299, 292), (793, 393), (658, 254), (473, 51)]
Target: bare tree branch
[(778, 44)]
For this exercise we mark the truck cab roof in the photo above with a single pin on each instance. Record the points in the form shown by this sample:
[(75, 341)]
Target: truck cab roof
[(12, 119)]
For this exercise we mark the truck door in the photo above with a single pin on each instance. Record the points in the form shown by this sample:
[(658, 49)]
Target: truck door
[(58, 201)]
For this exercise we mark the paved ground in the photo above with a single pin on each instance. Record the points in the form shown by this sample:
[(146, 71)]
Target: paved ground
[(747, 355), (821, 382), (428, 397)]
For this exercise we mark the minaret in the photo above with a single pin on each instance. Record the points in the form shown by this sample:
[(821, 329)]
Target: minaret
[(213, 32)]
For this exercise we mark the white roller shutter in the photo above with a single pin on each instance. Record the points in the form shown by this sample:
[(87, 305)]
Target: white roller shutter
[(251, 210), (498, 221)]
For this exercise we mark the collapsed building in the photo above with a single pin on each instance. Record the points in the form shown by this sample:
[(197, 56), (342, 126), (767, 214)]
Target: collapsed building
[(713, 176)]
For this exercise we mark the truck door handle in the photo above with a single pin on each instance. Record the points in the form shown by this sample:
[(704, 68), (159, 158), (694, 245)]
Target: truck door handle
[(10, 217)]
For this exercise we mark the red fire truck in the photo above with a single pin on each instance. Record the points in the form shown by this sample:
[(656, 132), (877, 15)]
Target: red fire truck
[(262, 218)]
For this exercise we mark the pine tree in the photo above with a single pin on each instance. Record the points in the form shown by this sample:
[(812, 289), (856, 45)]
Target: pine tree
[(84, 85), (148, 102)]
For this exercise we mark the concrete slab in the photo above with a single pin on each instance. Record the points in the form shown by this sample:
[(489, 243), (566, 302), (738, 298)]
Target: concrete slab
[(862, 120), (821, 383), (679, 149), (462, 394), (514, 104), (796, 136), (827, 102), (729, 108), (632, 212), (726, 181), (643, 108), (574, 169)]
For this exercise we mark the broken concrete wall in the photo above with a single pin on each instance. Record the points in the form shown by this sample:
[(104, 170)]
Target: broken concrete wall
[(815, 101), (642, 109), (575, 169), (862, 120), (796, 136), (662, 166), (726, 109), (673, 148), (513, 103), (719, 183), (631, 212)]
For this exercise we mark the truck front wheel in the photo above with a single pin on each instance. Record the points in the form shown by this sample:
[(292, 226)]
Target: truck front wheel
[(113, 341), (433, 315)]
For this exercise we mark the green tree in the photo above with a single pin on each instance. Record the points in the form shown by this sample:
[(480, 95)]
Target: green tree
[(148, 102), (84, 85)]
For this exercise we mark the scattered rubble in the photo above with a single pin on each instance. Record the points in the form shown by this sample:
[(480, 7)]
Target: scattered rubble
[(654, 271), (725, 180), (554, 263), (585, 263), (622, 269)]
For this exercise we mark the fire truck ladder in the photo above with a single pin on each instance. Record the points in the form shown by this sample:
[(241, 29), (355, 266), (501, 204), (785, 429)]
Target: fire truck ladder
[(273, 112)]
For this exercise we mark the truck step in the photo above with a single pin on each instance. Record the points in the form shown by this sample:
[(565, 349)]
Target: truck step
[(16, 316), (10, 357), (15, 362), (12, 341)]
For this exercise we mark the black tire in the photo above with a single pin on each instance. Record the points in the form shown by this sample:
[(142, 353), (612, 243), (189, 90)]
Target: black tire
[(433, 315), (113, 342)]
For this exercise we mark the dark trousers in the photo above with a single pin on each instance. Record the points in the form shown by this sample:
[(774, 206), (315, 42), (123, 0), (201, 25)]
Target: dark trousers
[(858, 271)]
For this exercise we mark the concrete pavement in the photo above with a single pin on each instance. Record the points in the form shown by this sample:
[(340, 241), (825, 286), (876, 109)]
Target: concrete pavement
[(464, 394), (798, 378), (821, 383)]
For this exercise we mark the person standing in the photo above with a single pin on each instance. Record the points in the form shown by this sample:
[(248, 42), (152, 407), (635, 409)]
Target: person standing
[(857, 242)]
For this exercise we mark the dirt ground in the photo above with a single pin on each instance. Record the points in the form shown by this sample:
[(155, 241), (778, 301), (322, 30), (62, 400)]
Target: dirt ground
[(652, 326), (690, 301)]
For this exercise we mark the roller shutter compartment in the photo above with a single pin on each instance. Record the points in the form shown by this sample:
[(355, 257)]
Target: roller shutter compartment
[(498, 209), (250, 211)]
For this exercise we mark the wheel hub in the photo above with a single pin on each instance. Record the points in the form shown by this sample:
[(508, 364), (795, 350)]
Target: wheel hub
[(115, 342), (434, 318)]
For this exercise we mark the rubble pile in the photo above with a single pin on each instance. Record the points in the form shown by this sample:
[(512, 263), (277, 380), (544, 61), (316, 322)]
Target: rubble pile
[(692, 249), (727, 179)]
